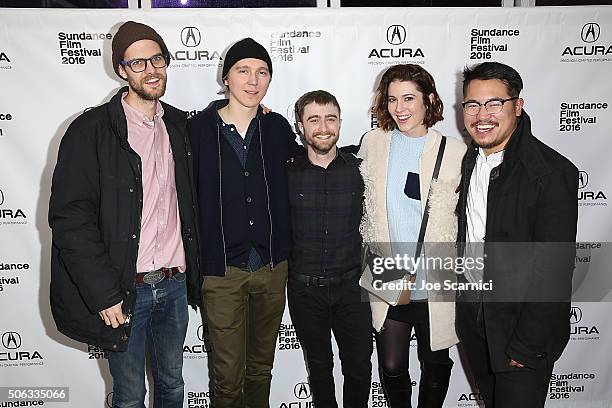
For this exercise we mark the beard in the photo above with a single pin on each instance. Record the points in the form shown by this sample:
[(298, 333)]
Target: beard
[(487, 144), (322, 146), (140, 89)]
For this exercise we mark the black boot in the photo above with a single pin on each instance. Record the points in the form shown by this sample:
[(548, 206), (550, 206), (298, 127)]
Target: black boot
[(398, 390), (434, 384)]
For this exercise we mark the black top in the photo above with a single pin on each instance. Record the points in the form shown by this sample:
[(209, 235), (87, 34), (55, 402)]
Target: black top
[(326, 207), (246, 220), (277, 145)]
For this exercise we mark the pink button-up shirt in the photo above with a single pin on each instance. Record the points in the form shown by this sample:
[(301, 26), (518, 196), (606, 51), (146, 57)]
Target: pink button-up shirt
[(161, 244)]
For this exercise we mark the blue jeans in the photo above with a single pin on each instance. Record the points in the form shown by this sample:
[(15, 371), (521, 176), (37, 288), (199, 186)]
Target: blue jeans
[(160, 322)]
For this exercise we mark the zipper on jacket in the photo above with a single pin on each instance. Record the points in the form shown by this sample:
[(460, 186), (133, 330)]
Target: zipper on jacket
[(126, 145), (221, 199), (140, 204), (267, 189), (493, 182), (463, 221)]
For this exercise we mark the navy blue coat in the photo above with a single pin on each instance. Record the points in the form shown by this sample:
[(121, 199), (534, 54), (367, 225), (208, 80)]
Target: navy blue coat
[(278, 145)]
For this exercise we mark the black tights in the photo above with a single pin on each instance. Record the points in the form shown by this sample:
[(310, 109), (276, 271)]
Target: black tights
[(393, 346)]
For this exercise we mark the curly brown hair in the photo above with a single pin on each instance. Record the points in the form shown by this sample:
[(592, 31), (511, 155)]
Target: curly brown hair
[(424, 83)]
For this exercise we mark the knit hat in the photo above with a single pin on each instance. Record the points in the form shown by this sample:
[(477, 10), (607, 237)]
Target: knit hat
[(245, 48), (129, 33)]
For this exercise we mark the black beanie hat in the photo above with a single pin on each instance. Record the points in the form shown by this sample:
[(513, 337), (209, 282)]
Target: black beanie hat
[(129, 33), (245, 48)]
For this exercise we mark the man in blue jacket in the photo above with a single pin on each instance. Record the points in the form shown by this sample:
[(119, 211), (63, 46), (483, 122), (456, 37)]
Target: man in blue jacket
[(240, 160)]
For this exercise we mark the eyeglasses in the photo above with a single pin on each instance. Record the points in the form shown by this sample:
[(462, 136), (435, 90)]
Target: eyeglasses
[(493, 106), (140, 64)]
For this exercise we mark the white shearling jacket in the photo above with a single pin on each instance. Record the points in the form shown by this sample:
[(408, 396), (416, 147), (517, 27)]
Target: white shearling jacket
[(442, 225)]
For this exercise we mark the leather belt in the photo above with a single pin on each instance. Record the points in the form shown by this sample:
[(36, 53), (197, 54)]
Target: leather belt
[(322, 281), (156, 276)]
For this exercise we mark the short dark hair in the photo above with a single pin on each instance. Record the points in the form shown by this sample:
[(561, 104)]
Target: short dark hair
[(494, 70), (319, 97), (424, 83)]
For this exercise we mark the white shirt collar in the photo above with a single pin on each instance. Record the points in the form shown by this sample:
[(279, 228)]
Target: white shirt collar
[(493, 158)]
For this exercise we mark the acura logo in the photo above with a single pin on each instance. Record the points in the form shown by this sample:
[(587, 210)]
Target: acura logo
[(583, 179), (1, 197), (590, 32), (11, 340), (301, 390), (396, 34), (201, 332), (575, 315), (190, 37)]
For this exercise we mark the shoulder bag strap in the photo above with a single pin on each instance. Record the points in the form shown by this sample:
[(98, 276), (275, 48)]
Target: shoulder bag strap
[(434, 176)]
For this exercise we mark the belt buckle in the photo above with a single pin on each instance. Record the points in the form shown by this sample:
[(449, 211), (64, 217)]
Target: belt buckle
[(154, 277), (317, 281)]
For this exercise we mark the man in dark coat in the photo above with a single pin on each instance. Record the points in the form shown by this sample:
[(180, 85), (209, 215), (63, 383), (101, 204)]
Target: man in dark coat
[(240, 158), (122, 212), (518, 203), (326, 200)]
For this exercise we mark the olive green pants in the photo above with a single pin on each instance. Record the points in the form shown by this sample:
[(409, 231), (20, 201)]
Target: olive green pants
[(243, 312)]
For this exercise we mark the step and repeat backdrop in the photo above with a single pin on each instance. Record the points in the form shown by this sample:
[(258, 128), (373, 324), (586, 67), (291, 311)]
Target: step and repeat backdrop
[(55, 64)]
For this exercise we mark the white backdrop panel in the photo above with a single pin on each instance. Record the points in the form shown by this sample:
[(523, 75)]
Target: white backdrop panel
[(56, 63)]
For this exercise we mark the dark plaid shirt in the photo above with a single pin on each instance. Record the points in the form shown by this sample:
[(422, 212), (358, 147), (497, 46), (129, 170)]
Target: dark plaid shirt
[(326, 207)]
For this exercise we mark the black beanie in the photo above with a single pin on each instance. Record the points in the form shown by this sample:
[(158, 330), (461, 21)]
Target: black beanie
[(246, 48), (129, 33)]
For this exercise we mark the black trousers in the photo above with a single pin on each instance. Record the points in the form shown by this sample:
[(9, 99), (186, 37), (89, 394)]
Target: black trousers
[(316, 312), (393, 346), (516, 387)]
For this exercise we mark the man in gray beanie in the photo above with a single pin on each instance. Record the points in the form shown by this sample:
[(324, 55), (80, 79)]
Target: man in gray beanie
[(240, 158), (124, 261)]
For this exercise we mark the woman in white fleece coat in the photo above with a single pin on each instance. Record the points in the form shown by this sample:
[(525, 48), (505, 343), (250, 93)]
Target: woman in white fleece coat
[(398, 162)]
